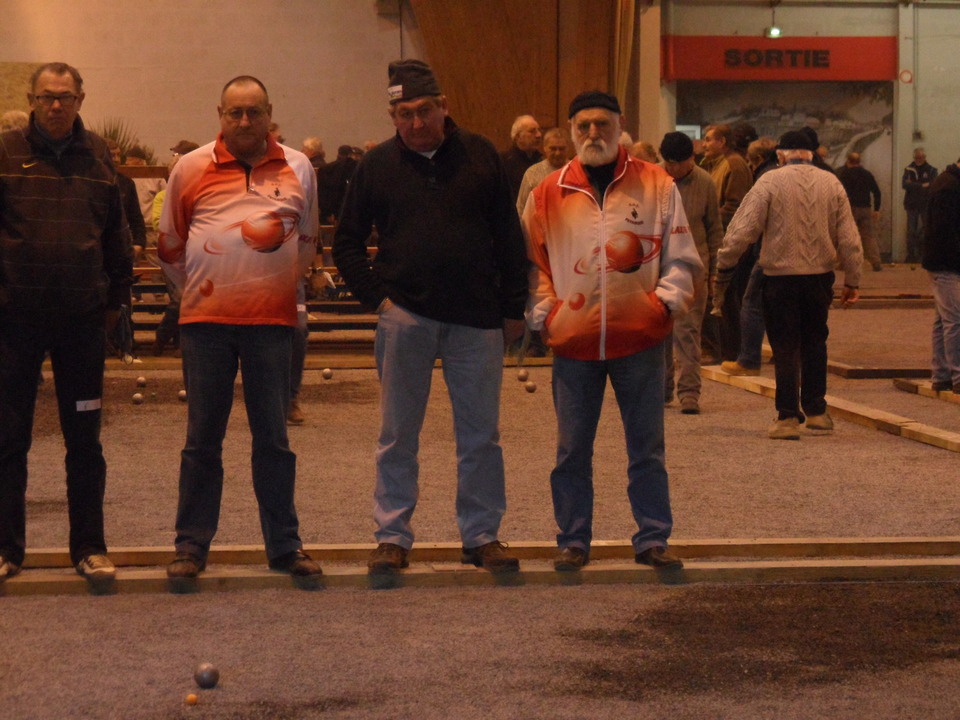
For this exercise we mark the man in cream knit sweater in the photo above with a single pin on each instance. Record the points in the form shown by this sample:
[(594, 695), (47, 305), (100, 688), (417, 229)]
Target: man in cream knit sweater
[(808, 230)]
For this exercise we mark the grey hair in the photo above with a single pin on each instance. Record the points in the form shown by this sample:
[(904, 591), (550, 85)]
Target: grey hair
[(518, 125)]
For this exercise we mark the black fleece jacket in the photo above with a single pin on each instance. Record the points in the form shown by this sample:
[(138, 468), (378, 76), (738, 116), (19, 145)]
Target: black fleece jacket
[(450, 244)]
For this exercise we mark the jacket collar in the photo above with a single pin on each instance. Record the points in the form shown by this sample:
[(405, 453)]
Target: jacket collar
[(222, 155), (39, 139)]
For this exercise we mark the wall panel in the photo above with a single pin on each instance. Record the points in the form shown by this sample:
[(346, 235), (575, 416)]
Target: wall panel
[(497, 59)]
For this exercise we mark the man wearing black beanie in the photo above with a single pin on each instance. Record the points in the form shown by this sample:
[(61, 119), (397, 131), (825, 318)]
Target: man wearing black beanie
[(615, 265), (449, 281)]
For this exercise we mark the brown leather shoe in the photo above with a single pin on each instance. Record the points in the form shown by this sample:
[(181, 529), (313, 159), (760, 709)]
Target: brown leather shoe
[(295, 414), (186, 566), (570, 559), (387, 558), (659, 557), (297, 563), (491, 556)]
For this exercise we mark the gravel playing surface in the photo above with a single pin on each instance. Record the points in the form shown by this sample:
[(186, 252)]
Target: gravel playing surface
[(884, 650)]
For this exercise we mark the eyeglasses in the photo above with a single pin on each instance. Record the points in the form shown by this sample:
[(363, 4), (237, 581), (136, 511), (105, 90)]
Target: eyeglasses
[(64, 100), (253, 114)]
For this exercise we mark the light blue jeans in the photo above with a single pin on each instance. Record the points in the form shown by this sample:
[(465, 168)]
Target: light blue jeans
[(946, 328), (578, 390), (406, 347)]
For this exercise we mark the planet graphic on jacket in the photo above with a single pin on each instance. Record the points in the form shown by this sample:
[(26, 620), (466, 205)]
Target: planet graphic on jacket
[(264, 231), (624, 252), (627, 251)]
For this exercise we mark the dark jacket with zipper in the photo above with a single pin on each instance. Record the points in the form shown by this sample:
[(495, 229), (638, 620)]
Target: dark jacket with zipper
[(65, 247)]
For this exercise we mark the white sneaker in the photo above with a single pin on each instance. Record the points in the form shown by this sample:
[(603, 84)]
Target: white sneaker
[(7, 568), (823, 423), (96, 567), (787, 429)]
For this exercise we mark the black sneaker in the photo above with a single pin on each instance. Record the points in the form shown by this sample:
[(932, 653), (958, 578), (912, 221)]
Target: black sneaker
[(570, 559), (387, 558), (491, 556), (659, 557), (297, 563), (941, 385), (186, 566)]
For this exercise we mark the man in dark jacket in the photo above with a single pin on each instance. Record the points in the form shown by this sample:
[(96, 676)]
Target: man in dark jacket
[(941, 258), (916, 180), (66, 265), (861, 187), (332, 182), (449, 281), (527, 142)]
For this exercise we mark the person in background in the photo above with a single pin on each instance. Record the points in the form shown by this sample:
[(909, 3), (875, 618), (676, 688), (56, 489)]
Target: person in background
[(916, 180), (556, 152), (804, 217), (941, 258), (527, 139), (131, 203), (313, 149), (168, 331), (702, 208), (861, 189), (642, 150), (14, 120)]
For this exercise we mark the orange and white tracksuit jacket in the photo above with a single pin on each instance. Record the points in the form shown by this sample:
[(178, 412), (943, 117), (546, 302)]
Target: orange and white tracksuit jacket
[(608, 275), (236, 241)]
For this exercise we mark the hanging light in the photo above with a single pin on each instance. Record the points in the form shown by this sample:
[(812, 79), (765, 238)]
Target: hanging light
[(774, 30)]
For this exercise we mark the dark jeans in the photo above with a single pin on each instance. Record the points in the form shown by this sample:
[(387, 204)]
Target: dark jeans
[(579, 387), (212, 354), (732, 301), (76, 346), (915, 228), (301, 335), (795, 309)]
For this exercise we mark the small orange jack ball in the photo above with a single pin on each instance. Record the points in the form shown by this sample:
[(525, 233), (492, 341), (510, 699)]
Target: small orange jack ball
[(191, 699)]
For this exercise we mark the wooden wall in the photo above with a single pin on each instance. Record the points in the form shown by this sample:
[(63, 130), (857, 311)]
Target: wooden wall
[(496, 59)]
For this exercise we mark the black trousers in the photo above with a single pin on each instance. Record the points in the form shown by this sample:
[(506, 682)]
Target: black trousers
[(795, 309), (76, 346)]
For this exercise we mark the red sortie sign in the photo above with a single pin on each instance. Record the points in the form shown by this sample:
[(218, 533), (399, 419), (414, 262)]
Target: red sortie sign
[(715, 57)]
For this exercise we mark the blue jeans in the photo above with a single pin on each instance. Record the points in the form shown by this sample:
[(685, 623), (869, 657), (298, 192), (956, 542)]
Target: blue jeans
[(946, 328), (406, 347), (751, 321), (212, 354), (578, 390)]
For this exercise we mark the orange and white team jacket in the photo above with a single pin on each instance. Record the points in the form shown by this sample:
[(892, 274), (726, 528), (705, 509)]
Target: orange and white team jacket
[(235, 244), (608, 275)]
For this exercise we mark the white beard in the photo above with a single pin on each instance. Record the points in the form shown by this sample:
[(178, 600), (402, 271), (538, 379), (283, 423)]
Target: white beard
[(597, 152)]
